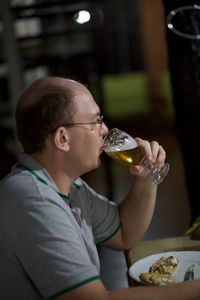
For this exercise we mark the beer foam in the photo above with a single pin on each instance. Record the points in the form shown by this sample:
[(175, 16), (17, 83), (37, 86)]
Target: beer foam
[(130, 144)]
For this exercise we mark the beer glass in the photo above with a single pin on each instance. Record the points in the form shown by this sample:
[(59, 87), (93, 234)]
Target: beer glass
[(122, 147)]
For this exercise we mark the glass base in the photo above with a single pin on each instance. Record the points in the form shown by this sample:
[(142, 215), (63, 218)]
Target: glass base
[(161, 174)]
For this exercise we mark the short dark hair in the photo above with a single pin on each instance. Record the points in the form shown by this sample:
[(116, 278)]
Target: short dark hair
[(42, 107)]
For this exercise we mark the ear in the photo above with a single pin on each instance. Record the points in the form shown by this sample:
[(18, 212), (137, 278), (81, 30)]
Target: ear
[(61, 139)]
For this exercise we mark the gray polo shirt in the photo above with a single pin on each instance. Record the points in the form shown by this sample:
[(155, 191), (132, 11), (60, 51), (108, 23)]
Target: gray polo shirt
[(48, 247)]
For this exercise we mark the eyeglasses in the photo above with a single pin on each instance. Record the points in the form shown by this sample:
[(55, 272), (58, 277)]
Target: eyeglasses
[(99, 121)]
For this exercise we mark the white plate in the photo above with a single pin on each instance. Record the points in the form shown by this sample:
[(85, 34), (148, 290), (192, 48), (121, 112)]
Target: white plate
[(186, 258)]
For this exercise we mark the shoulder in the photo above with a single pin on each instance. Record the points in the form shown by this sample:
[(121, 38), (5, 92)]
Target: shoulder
[(22, 191)]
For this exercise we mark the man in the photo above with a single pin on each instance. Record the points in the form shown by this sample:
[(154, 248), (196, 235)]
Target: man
[(51, 221)]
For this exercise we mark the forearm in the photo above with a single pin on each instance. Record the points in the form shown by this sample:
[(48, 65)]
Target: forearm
[(188, 290), (183, 291), (136, 210)]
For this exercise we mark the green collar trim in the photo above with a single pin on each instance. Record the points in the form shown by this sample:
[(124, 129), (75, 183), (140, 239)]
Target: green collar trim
[(76, 185), (22, 166)]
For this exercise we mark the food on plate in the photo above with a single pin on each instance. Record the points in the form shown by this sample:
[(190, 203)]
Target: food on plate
[(165, 265), (157, 279), (161, 271)]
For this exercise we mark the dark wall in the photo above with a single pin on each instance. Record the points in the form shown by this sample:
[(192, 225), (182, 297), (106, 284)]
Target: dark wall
[(184, 61)]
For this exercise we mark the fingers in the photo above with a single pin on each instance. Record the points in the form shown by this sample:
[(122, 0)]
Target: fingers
[(160, 157), (153, 151)]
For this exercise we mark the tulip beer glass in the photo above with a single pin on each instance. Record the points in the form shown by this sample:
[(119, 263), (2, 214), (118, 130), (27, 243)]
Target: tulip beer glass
[(124, 148)]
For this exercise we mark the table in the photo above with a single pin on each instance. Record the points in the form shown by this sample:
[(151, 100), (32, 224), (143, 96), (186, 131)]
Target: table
[(148, 247)]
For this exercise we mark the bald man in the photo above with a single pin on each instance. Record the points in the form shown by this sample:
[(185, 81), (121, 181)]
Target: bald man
[(51, 220)]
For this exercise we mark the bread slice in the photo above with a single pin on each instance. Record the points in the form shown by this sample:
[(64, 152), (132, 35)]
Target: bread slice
[(157, 279), (160, 272), (165, 265)]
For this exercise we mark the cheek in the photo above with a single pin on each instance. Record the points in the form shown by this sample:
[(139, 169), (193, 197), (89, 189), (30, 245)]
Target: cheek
[(85, 146), (81, 148)]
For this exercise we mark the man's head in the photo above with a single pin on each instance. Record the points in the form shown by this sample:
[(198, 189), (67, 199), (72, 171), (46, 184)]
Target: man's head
[(59, 116), (47, 103)]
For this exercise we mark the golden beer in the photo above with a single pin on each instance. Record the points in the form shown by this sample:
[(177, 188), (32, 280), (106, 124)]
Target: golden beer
[(128, 157), (123, 148)]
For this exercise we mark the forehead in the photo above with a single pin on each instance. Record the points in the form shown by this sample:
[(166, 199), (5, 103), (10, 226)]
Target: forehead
[(84, 102)]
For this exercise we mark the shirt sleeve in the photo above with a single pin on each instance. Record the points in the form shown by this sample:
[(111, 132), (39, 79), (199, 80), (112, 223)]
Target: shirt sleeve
[(103, 214)]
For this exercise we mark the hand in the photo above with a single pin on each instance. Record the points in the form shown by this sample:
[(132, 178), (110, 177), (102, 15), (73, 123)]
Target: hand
[(154, 154)]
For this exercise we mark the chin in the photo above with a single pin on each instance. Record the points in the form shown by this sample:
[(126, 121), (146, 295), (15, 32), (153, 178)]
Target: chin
[(92, 168)]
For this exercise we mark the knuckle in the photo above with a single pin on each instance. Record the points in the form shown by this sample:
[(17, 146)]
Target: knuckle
[(155, 144)]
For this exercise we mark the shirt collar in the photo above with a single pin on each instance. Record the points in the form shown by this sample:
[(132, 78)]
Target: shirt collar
[(27, 160)]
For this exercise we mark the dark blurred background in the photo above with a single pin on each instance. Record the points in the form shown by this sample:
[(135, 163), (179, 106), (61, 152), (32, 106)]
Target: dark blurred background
[(143, 75), (141, 61), (118, 48)]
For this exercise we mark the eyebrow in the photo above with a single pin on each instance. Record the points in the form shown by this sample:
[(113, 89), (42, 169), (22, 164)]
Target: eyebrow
[(97, 114)]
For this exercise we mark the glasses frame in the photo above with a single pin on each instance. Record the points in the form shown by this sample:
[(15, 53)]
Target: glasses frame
[(99, 121)]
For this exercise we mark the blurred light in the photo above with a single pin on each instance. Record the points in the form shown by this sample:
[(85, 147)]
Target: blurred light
[(81, 17)]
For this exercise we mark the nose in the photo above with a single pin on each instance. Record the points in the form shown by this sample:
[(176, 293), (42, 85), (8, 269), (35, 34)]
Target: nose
[(104, 129)]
